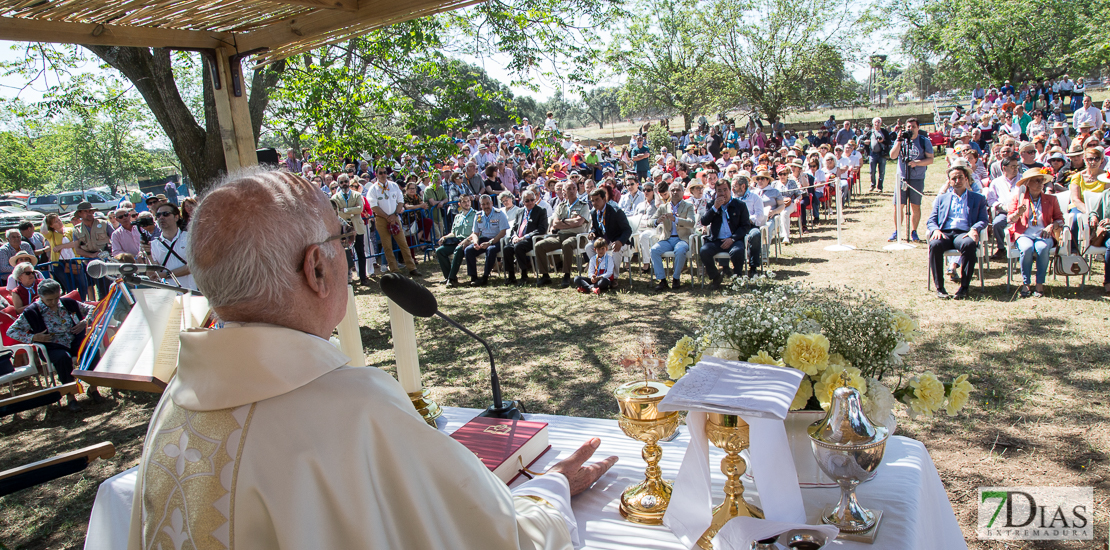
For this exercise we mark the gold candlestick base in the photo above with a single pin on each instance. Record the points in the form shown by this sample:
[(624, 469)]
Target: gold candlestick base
[(427, 408), (730, 433)]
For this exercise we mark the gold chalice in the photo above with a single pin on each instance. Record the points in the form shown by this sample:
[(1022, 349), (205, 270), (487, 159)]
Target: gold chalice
[(730, 433), (646, 501)]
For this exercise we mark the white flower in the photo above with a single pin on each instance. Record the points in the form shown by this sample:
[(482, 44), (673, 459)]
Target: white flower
[(880, 401)]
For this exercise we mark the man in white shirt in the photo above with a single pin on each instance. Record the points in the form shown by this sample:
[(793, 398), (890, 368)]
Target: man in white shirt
[(387, 202), (632, 196), (549, 125), (1000, 194), (1088, 113), (527, 129), (243, 450)]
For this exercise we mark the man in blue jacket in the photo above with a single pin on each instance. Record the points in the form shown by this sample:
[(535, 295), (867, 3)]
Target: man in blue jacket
[(730, 229), (958, 218)]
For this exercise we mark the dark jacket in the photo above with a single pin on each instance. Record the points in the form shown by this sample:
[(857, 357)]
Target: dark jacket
[(616, 225), (537, 223), (738, 220), (865, 143)]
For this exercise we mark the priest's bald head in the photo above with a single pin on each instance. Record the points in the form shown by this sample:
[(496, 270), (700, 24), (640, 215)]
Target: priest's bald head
[(265, 247)]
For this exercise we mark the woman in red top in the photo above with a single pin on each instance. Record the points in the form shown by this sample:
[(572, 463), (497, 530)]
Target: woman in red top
[(26, 290), (1035, 221)]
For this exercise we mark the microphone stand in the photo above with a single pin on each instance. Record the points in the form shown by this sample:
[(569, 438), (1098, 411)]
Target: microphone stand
[(136, 281), (498, 409)]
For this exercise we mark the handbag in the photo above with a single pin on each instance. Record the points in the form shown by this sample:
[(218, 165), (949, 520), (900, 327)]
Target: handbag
[(1069, 265), (1099, 238)]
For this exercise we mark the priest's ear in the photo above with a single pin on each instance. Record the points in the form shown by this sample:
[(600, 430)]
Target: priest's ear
[(319, 270)]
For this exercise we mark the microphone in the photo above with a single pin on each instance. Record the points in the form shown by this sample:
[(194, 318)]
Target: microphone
[(418, 301), (98, 269)]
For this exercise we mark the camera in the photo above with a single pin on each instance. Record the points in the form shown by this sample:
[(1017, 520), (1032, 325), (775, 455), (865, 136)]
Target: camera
[(906, 135)]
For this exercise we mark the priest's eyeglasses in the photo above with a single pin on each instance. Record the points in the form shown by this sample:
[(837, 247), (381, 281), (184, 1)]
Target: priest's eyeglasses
[(346, 235)]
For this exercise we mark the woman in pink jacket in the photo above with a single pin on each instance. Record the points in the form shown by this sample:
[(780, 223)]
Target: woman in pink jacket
[(1035, 221)]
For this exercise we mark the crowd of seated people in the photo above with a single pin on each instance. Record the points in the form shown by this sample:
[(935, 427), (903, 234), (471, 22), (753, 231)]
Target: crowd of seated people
[(528, 205)]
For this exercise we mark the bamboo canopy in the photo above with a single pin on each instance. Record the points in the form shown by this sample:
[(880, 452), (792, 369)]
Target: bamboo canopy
[(267, 29)]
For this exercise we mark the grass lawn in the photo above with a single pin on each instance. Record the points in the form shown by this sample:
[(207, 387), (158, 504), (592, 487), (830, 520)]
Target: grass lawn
[(1038, 417)]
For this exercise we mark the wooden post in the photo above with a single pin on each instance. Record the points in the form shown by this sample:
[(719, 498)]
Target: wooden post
[(233, 114)]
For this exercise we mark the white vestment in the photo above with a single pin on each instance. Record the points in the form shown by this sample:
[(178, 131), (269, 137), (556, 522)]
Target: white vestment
[(265, 440)]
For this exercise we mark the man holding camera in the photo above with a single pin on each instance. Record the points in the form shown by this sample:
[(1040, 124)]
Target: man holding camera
[(911, 166)]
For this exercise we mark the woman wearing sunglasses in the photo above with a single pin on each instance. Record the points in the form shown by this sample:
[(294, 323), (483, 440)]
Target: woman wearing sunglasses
[(168, 249)]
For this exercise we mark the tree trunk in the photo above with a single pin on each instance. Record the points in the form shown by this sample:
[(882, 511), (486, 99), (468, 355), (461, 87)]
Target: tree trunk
[(199, 149), (264, 80), (149, 70), (687, 119)]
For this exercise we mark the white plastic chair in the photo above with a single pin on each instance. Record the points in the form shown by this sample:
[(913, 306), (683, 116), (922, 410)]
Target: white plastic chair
[(980, 257), (535, 260), (1091, 252), (1013, 256)]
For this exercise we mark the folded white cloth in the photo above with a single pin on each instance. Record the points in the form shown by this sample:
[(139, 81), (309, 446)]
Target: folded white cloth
[(739, 533), (761, 395)]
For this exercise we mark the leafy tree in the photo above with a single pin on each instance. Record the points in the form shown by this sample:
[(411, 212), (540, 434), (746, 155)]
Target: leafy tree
[(668, 61), (22, 165), (601, 105), (783, 55), (973, 40)]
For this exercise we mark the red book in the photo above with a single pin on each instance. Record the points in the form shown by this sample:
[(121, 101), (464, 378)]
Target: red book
[(505, 446)]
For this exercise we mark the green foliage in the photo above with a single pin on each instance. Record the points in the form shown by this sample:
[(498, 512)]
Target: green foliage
[(996, 41), (601, 105), (657, 138), (668, 61), (90, 128), (22, 164), (783, 55)]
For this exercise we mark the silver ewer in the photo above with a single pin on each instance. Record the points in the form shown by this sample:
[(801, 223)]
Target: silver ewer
[(848, 448)]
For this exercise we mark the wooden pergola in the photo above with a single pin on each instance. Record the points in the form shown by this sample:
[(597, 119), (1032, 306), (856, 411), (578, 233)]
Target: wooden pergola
[(225, 31)]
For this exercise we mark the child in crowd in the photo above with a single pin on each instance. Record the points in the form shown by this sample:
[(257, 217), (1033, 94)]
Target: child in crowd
[(601, 272)]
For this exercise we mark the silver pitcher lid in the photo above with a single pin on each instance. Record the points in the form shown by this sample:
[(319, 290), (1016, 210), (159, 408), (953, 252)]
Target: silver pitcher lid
[(846, 423)]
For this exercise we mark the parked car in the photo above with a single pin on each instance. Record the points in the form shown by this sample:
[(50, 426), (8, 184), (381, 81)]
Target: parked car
[(11, 217), (15, 203), (68, 201), (45, 204)]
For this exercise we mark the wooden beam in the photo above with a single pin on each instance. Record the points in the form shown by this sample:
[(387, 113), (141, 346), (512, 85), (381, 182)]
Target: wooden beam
[(241, 130), (344, 5), (131, 382), (37, 30), (297, 28), (223, 114)]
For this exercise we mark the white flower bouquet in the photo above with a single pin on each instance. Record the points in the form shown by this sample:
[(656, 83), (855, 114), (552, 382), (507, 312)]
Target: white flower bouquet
[(823, 332)]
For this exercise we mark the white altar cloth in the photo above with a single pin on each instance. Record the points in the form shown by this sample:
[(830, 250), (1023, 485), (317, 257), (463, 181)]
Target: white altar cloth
[(916, 512)]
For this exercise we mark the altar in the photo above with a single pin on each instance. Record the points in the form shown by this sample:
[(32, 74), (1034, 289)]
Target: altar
[(917, 513)]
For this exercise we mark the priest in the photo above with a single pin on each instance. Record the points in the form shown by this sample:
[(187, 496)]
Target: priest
[(266, 439)]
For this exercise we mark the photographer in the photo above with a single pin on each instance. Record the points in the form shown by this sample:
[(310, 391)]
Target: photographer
[(876, 143), (911, 167)]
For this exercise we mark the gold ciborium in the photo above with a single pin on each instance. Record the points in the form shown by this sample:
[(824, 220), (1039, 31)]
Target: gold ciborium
[(729, 432), (646, 501)]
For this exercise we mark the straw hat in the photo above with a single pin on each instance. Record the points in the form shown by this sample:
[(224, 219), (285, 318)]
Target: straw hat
[(23, 257), (763, 174), (963, 165), (1032, 174), (1059, 126)]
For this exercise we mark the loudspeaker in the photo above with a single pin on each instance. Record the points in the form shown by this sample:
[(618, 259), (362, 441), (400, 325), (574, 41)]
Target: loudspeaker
[(268, 156)]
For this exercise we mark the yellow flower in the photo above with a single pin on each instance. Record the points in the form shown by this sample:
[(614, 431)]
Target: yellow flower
[(679, 359), (837, 359), (906, 326), (805, 391), (958, 396), (764, 358), (831, 379), (928, 393), (808, 353)]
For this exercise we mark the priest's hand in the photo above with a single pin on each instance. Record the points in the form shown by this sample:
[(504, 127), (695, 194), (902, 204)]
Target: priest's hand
[(582, 477)]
